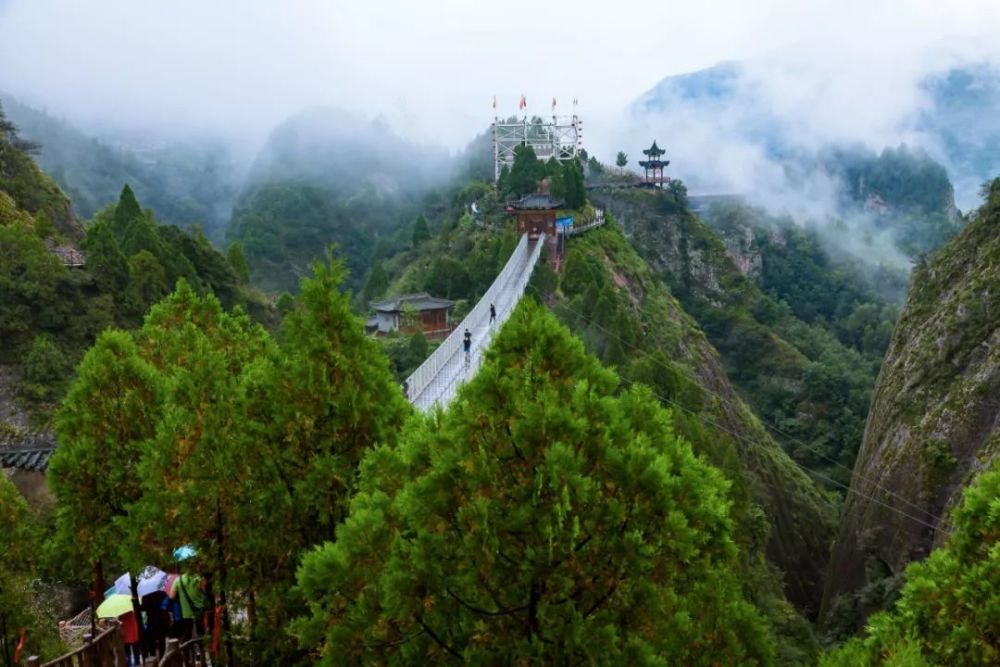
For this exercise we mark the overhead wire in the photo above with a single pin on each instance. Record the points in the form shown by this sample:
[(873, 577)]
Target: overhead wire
[(941, 523)]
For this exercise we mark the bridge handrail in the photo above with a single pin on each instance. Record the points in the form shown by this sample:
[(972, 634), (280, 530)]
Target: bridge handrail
[(427, 371), (517, 291)]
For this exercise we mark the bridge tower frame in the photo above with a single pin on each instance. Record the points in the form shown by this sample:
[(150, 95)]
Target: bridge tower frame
[(556, 136)]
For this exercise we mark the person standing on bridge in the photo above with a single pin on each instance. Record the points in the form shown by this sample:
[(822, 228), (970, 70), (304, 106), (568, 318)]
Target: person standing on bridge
[(467, 345), (493, 313)]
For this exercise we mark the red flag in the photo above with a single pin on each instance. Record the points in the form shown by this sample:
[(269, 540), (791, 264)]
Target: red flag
[(523, 103)]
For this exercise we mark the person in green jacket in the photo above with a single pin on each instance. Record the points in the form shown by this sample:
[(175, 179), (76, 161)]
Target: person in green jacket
[(188, 590)]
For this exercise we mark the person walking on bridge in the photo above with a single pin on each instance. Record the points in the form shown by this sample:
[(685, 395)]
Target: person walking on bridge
[(493, 314), (467, 345)]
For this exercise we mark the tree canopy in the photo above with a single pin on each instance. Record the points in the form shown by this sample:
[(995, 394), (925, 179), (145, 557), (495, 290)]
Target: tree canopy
[(540, 518), (948, 611)]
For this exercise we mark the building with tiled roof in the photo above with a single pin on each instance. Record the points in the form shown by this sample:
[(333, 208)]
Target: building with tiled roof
[(411, 312)]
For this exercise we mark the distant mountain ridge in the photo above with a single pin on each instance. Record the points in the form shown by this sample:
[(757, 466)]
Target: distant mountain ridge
[(959, 128), (327, 176), (185, 183)]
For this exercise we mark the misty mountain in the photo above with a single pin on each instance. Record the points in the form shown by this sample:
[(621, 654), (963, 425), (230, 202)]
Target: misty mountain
[(956, 122), (885, 205), (191, 182), (324, 177)]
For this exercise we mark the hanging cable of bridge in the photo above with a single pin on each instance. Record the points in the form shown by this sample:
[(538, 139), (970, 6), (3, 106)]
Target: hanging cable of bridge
[(771, 427)]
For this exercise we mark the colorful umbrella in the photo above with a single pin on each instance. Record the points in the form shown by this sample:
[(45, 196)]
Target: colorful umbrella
[(153, 580), (115, 606), (184, 552)]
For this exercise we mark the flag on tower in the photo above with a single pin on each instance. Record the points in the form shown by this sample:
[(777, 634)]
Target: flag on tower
[(553, 104), (523, 103), (494, 101)]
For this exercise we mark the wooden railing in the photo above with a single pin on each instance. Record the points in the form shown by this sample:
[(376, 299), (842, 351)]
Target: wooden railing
[(189, 654), (105, 650)]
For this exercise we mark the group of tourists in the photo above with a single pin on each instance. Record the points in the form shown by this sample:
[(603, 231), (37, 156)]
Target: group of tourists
[(172, 606)]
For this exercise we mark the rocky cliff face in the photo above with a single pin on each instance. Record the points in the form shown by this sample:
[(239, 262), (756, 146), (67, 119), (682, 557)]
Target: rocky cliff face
[(779, 510), (934, 422)]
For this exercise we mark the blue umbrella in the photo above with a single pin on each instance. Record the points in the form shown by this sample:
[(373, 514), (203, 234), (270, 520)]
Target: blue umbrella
[(184, 552)]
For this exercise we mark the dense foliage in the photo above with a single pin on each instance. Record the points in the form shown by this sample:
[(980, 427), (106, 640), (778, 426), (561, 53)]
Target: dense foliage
[(199, 429), (903, 191), (50, 313), (948, 611), (480, 538), (810, 377), (23, 605), (565, 178)]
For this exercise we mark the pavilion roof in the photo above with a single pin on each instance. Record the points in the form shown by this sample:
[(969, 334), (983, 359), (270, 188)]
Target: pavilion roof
[(654, 150)]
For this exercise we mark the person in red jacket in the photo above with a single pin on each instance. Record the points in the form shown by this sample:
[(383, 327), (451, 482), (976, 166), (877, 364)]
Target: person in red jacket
[(130, 637)]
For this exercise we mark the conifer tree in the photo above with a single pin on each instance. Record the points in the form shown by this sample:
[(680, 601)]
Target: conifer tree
[(377, 284), (104, 427), (105, 258), (147, 280), (19, 603), (621, 160), (332, 398), (541, 519), (421, 232), (949, 610), (525, 172), (238, 262), (126, 213)]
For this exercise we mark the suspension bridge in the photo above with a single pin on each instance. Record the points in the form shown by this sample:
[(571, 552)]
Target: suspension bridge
[(437, 379)]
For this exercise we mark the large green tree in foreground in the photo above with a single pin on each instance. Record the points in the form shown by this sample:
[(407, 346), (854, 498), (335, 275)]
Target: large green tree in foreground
[(541, 518), (200, 429)]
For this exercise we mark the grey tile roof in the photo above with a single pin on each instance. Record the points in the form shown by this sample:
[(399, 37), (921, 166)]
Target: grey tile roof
[(537, 201), (420, 301), (28, 452)]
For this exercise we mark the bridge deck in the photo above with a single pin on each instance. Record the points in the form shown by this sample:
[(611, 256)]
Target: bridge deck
[(438, 378)]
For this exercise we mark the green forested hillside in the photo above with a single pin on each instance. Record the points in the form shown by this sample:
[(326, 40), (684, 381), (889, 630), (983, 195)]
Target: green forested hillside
[(50, 313), (809, 377), (326, 176), (609, 297), (191, 183), (900, 191)]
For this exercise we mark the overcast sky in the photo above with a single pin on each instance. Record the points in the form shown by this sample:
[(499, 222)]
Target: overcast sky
[(244, 65)]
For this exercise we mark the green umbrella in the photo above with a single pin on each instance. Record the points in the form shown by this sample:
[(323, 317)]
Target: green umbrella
[(115, 606)]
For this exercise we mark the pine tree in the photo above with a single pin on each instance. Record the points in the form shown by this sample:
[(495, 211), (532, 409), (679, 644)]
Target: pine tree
[(147, 281), (127, 212), (238, 262), (20, 606), (105, 258), (104, 427), (525, 173), (574, 189), (377, 284), (421, 231), (621, 160), (541, 519)]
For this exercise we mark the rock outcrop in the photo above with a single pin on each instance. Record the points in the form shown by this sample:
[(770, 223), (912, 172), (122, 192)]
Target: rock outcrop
[(934, 422)]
